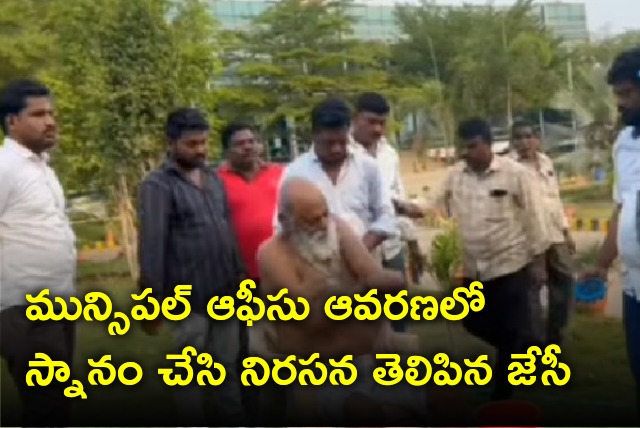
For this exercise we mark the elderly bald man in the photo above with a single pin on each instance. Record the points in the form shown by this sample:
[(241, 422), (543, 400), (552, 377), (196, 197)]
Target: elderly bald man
[(317, 255)]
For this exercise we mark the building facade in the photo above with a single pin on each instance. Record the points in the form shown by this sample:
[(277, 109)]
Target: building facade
[(378, 22), (567, 20)]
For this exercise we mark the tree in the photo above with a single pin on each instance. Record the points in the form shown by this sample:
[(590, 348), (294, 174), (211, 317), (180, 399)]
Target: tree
[(491, 62), (196, 36), (592, 92), (25, 42), (298, 51), (78, 78), (116, 81)]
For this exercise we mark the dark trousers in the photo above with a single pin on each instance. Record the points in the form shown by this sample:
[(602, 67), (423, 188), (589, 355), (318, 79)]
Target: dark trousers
[(250, 394), (560, 285), (20, 340), (503, 323), (631, 318), (397, 264)]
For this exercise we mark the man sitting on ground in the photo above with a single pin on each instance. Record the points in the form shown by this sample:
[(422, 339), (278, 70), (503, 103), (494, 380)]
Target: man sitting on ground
[(316, 256)]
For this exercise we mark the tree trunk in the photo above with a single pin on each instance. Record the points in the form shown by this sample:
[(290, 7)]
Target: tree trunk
[(126, 213)]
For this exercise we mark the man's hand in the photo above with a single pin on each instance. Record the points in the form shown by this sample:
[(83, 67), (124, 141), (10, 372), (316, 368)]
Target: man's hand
[(568, 239), (408, 209), (371, 240), (596, 272)]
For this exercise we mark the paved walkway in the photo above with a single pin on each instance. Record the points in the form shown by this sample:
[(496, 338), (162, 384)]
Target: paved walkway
[(584, 242)]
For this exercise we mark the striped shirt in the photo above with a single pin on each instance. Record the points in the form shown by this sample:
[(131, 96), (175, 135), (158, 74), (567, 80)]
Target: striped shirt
[(499, 217), (544, 172), (186, 237)]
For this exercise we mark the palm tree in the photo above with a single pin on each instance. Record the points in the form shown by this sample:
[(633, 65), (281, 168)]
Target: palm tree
[(595, 97)]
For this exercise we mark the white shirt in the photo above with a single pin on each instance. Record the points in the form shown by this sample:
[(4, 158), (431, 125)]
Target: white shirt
[(359, 197), (389, 163), (626, 161), (37, 244)]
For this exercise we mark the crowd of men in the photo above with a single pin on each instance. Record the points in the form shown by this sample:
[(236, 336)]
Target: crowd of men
[(334, 222)]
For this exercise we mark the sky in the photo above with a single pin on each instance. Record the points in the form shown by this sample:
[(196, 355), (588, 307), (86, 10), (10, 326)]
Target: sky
[(612, 16), (606, 17)]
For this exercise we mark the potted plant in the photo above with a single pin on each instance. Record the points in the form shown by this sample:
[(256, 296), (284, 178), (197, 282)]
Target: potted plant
[(445, 261)]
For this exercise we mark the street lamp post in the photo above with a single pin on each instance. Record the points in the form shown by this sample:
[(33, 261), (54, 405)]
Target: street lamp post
[(436, 72), (505, 45)]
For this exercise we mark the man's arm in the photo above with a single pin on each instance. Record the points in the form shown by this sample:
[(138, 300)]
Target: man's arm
[(283, 176), (362, 264), (609, 249), (397, 187), (383, 225), (566, 226), (154, 208), (6, 184), (529, 196), (240, 268), (439, 203), (402, 206)]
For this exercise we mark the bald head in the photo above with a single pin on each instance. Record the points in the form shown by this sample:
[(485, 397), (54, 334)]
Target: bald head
[(302, 204)]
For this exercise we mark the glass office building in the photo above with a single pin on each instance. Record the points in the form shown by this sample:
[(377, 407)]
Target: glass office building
[(568, 20), (377, 22)]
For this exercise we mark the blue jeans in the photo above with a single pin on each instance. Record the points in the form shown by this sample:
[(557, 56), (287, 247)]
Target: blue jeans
[(631, 315)]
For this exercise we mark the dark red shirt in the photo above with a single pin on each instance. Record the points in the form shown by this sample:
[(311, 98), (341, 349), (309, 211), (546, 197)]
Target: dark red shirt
[(252, 205)]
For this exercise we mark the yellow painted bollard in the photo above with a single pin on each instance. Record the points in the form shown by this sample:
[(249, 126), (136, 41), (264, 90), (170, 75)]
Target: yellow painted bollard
[(607, 225), (99, 245), (595, 225), (579, 224)]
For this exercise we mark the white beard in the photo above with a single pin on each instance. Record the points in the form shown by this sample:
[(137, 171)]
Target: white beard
[(321, 249)]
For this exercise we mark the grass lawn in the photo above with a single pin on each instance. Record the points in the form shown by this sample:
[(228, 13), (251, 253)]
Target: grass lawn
[(600, 389)]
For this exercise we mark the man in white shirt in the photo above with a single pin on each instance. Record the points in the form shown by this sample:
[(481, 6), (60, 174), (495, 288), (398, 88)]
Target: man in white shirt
[(350, 181), (367, 136), (623, 236), (37, 249)]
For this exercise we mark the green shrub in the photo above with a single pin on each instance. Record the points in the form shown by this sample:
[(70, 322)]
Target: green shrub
[(597, 192), (445, 257)]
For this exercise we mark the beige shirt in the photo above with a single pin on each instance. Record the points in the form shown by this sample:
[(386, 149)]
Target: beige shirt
[(544, 172), (499, 217)]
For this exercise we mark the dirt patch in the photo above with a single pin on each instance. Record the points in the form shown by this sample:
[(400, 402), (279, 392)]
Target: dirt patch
[(420, 176)]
